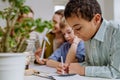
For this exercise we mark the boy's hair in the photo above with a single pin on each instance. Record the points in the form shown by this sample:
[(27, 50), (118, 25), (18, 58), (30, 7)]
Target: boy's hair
[(82, 8), (63, 23), (60, 12)]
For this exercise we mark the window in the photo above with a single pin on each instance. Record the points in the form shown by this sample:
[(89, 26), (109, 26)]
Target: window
[(57, 7)]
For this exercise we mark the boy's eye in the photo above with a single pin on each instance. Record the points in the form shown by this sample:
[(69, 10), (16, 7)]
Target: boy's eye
[(78, 29), (69, 32)]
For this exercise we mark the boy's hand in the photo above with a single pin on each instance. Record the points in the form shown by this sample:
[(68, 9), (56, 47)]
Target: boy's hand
[(61, 68), (76, 40), (75, 68)]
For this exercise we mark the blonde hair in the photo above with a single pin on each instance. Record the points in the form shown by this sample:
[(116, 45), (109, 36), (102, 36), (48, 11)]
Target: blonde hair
[(63, 23)]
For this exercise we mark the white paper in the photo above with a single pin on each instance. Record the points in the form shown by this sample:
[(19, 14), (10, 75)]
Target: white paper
[(74, 77)]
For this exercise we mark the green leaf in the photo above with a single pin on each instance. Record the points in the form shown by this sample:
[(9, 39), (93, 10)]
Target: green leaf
[(1, 32), (1, 14), (25, 9), (21, 29)]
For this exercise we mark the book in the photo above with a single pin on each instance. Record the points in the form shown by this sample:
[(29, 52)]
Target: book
[(62, 77), (68, 77)]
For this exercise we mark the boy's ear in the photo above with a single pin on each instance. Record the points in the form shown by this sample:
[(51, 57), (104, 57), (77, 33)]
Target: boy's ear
[(97, 19)]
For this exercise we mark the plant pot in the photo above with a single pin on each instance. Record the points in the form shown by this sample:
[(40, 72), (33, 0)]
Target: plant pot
[(12, 66)]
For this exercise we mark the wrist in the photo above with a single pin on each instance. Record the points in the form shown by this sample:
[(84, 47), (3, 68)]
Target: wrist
[(75, 43), (83, 71)]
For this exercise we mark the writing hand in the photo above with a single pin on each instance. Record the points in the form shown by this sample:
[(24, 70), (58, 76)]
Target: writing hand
[(61, 67), (75, 68)]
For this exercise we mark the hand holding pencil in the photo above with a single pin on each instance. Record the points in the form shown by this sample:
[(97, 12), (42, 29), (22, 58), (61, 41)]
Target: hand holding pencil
[(62, 63), (37, 57), (62, 68)]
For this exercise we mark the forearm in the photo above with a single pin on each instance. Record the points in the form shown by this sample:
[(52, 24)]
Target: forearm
[(52, 63), (71, 56), (104, 72)]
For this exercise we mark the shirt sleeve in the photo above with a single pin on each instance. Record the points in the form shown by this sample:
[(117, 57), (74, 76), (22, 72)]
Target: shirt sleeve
[(80, 53), (112, 70), (57, 53)]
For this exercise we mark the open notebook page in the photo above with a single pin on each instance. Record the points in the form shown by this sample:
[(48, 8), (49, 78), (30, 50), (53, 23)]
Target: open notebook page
[(74, 77)]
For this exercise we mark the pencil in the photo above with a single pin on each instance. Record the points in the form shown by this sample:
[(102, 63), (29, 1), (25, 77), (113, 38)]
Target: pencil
[(62, 65), (43, 50)]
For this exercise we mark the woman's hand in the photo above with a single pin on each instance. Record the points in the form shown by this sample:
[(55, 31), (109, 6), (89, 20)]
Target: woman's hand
[(37, 57), (41, 62), (38, 52)]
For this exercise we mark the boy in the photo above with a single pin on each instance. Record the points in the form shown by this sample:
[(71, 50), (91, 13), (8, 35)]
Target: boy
[(73, 50), (102, 39)]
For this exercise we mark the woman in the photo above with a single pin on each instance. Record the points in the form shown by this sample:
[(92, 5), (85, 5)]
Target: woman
[(55, 37)]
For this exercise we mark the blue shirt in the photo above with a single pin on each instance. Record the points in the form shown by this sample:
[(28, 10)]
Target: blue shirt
[(63, 50), (103, 52)]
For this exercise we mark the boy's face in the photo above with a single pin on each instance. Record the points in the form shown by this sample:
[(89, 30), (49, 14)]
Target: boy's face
[(68, 34), (56, 20), (82, 28)]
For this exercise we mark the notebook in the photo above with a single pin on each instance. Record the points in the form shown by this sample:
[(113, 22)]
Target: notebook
[(71, 77), (61, 77), (55, 76)]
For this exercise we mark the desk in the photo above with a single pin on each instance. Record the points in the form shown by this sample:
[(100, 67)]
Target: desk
[(46, 69), (40, 68)]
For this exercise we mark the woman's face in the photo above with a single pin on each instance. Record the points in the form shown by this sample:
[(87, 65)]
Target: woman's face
[(56, 20)]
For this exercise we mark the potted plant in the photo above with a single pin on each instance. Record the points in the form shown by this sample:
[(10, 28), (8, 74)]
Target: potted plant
[(13, 38)]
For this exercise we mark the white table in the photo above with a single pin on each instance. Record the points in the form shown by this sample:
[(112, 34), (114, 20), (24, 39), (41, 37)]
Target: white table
[(50, 70), (40, 68)]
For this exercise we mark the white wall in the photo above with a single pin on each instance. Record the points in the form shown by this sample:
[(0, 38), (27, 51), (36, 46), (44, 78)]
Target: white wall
[(117, 10), (2, 6), (101, 2), (45, 8), (60, 2), (107, 7), (42, 8)]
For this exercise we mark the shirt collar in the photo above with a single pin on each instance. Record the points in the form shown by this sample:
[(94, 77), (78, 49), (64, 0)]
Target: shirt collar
[(101, 32)]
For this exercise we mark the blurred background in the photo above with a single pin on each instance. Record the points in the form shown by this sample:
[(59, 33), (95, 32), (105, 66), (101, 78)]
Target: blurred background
[(45, 8)]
